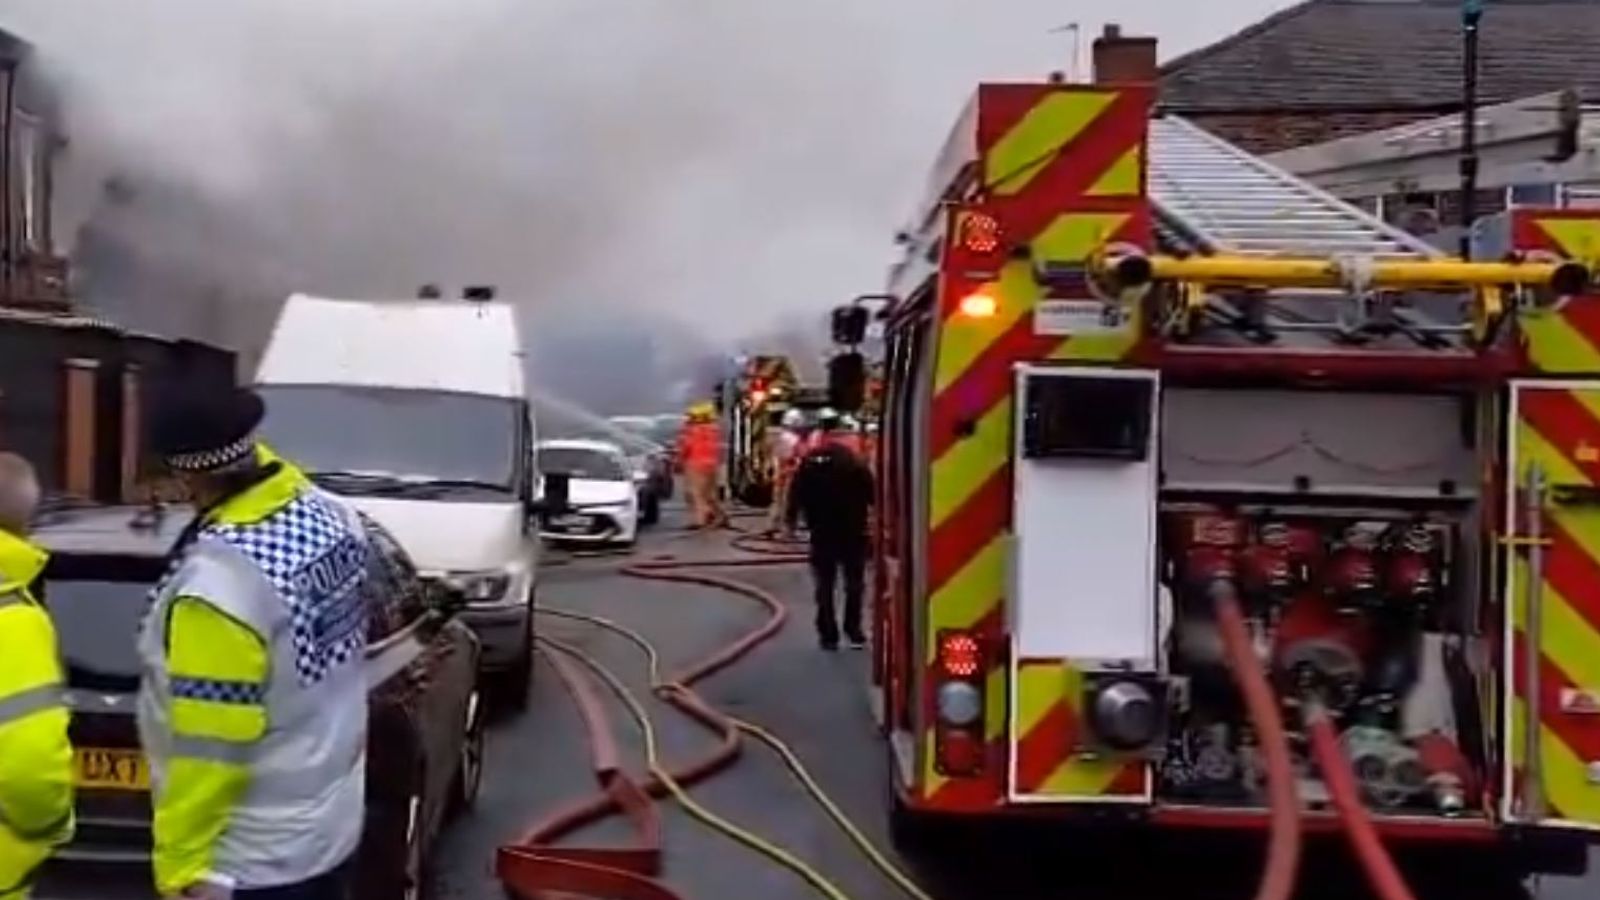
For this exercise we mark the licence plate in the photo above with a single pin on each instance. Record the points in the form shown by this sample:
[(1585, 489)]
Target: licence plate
[(571, 522), (118, 770)]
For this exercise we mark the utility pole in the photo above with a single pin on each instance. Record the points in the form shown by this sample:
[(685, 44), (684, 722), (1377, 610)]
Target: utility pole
[(1471, 15)]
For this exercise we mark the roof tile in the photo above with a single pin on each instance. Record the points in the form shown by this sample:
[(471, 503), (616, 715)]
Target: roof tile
[(1388, 54)]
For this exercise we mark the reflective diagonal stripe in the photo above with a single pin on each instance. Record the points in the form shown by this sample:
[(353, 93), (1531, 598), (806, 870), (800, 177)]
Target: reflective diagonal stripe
[(1560, 431), (1043, 134), (972, 593), (1065, 168), (964, 468), (1557, 342), (1123, 178), (1048, 720), (1577, 238), (230, 752), (963, 339), (1565, 340), (26, 703), (1072, 237)]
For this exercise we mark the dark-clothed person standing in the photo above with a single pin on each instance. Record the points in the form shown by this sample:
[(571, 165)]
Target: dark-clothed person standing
[(833, 491)]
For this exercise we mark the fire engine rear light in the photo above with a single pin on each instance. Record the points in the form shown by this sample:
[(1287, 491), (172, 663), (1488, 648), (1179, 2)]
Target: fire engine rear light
[(980, 233), (959, 655), (959, 704), (958, 752), (979, 305)]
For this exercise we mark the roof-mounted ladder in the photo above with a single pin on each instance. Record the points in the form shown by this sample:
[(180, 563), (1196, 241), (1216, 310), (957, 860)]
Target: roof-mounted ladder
[(1215, 198)]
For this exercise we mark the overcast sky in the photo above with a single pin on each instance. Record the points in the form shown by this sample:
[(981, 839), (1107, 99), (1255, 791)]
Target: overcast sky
[(724, 162)]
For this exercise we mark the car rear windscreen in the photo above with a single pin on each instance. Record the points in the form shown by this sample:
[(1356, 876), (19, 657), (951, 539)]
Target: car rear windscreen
[(97, 624)]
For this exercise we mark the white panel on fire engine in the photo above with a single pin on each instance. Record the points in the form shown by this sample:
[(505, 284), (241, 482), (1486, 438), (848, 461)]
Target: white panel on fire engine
[(1327, 443), (1085, 470)]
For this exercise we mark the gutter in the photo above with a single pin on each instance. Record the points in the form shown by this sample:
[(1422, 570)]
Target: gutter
[(8, 245)]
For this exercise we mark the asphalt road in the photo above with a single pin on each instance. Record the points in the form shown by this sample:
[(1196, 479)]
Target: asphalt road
[(817, 702)]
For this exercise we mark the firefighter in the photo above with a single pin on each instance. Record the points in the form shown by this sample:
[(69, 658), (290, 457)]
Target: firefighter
[(786, 454), (700, 455), (35, 755), (253, 705), (848, 435), (832, 490)]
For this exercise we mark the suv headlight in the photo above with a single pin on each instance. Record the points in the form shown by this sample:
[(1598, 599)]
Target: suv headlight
[(478, 587)]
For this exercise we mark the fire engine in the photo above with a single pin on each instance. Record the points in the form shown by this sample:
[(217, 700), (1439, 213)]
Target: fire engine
[(1163, 424), (751, 404)]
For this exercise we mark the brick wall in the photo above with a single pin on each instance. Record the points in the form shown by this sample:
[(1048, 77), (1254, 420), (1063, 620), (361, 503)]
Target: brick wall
[(1271, 132)]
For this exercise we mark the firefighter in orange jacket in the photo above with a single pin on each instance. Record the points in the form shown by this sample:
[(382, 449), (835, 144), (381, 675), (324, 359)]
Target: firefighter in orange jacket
[(699, 455)]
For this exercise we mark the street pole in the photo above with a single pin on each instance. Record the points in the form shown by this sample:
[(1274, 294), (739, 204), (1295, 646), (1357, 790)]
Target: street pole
[(1471, 14)]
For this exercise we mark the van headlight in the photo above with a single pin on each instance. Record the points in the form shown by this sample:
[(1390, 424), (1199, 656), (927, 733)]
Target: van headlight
[(479, 587)]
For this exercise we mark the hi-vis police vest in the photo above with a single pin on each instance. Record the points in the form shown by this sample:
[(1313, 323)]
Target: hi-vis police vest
[(35, 756), (260, 620)]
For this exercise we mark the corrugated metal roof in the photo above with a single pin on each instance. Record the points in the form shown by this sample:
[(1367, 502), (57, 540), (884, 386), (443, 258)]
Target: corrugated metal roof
[(1388, 54), (58, 320)]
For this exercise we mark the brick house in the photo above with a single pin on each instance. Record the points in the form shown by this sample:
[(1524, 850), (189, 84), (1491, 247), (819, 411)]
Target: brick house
[(31, 273), (1324, 69), (72, 387)]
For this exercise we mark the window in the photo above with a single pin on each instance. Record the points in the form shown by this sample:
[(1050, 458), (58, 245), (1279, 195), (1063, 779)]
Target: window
[(582, 463), (30, 171)]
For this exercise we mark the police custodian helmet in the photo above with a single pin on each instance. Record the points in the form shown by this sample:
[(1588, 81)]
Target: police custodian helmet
[(206, 429)]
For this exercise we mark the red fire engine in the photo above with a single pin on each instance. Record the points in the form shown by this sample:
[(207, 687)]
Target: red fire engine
[(1142, 387)]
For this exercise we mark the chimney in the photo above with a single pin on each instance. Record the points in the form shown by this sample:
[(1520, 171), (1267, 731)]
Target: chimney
[(1119, 59)]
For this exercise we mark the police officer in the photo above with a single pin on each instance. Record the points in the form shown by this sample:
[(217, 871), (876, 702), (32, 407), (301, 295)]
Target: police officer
[(260, 621), (35, 756), (833, 491)]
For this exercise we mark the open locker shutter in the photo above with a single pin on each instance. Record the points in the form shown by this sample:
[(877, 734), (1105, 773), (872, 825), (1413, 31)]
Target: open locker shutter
[(1552, 592)]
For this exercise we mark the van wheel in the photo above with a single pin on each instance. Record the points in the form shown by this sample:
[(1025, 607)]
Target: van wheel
[(416, 859), (513, 685), (469, 770)]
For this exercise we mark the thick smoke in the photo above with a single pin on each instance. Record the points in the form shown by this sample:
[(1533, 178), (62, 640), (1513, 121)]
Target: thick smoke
[(694, 170)]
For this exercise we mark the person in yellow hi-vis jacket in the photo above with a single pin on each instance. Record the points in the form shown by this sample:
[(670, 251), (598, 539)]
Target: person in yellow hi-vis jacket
[(253, 705), (35, 756)]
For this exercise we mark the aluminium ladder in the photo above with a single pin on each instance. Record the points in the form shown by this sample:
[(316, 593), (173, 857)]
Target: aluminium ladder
[(1215, 198)]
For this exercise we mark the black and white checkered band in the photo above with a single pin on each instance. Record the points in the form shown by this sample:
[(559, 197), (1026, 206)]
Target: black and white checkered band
[(210, 460)]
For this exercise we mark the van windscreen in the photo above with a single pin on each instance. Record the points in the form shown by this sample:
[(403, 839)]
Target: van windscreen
[(418, 437)]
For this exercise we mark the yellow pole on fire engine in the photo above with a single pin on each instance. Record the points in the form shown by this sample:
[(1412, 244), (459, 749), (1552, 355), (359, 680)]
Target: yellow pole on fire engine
[(1309, 272)]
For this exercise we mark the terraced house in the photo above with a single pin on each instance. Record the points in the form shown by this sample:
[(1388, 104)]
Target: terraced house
[(71, 385)]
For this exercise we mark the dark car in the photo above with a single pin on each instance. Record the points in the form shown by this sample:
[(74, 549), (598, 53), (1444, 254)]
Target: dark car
[(652, 472), (425, 750), (640, 437)]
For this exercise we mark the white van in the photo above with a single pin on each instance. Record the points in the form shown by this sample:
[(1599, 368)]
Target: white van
[(416, 411)]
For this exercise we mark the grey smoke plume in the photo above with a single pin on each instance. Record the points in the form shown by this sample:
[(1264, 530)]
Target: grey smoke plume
[(694, 169)]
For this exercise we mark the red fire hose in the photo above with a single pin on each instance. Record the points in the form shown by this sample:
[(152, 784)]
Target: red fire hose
[(533, 867), (1380, 868), (1283, 847)]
